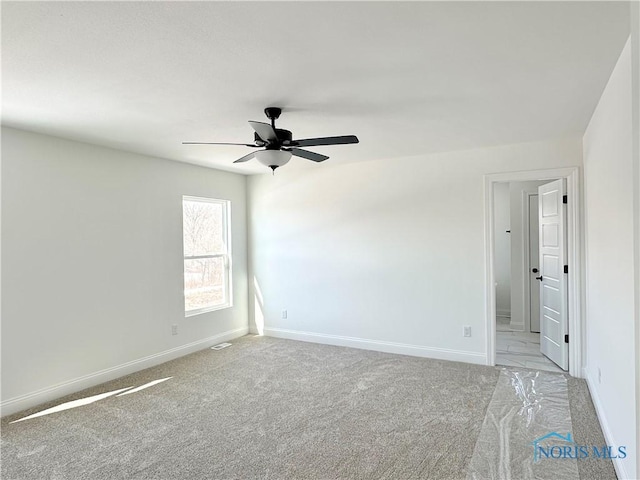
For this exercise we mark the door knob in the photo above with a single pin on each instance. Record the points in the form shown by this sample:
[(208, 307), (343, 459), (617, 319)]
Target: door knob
[(535, 270), (539, 278)]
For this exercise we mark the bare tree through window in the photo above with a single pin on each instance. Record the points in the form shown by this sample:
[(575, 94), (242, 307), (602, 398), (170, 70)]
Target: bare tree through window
[(206, 254)]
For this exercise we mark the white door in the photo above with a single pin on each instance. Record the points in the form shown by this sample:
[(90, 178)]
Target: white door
[(534, 266), (554, 321)]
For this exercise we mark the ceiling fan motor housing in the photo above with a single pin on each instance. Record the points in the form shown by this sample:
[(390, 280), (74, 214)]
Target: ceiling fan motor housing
[(283, 136)]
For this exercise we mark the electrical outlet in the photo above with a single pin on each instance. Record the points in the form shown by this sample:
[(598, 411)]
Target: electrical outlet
[(599, 375), (174, 329), (284, 314), (466, 331)]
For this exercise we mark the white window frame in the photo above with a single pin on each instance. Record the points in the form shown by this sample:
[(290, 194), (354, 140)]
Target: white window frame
[(226, 224)]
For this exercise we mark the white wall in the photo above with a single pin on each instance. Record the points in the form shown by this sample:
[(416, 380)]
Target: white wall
[(389, 254), (502, 223), (519, 257), (92, 264), (635, 94), (608, 174)]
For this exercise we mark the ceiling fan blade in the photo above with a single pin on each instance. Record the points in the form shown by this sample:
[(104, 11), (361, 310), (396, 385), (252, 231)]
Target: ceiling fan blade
[(219, 143), (246, 158), (312, 142), (316, 157), (264, 131)]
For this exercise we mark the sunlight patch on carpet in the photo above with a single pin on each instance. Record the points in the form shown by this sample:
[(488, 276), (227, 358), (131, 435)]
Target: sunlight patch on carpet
[(92, 399), (73, 404), (146, 385)]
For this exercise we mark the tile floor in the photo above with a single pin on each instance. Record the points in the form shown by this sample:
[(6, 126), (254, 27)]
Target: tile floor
[(520, 349)]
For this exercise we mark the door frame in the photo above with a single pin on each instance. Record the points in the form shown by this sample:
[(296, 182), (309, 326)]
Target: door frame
[(526, 234), (574, 247)]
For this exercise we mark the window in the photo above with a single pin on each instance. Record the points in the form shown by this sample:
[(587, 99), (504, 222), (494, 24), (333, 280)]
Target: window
[(207, 254)]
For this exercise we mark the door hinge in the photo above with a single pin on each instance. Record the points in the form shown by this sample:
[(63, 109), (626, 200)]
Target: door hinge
[(564, 199), (566, 269), (566, 339)]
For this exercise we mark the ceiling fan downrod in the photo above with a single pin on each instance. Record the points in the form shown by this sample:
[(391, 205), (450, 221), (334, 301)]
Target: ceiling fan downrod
[(273, 113)]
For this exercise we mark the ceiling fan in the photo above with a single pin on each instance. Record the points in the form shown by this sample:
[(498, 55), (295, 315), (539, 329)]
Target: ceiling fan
[(278, 144)]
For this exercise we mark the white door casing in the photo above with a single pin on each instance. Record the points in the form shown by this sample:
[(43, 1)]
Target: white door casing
[(554, 324)]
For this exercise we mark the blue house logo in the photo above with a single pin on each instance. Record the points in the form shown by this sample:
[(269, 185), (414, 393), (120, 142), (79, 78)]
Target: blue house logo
[(543, 450), (557, 446)]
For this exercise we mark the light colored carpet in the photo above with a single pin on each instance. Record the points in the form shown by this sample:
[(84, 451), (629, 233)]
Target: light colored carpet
[(265, 408), (587, 431)]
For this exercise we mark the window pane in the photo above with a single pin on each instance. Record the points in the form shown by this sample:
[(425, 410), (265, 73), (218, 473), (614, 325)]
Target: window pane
[(203, 228), (204, 284)]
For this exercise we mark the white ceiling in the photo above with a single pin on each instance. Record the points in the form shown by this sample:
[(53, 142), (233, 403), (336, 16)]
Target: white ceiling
[(407, 78)]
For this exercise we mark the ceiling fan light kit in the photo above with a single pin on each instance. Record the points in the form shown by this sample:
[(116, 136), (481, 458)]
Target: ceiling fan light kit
[(273, 158), (279, 145)]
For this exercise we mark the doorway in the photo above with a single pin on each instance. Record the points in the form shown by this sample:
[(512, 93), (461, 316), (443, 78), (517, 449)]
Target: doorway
[(518, 285), (510, 330)]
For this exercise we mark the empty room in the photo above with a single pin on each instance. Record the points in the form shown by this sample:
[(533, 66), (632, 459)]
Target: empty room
[(320, 240)]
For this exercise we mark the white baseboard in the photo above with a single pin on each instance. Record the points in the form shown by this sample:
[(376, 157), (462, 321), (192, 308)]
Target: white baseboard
[(47, 394), (503, 313), (380, 346), (618, 463)]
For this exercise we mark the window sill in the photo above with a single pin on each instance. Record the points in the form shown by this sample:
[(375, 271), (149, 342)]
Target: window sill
[(200, 311)]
